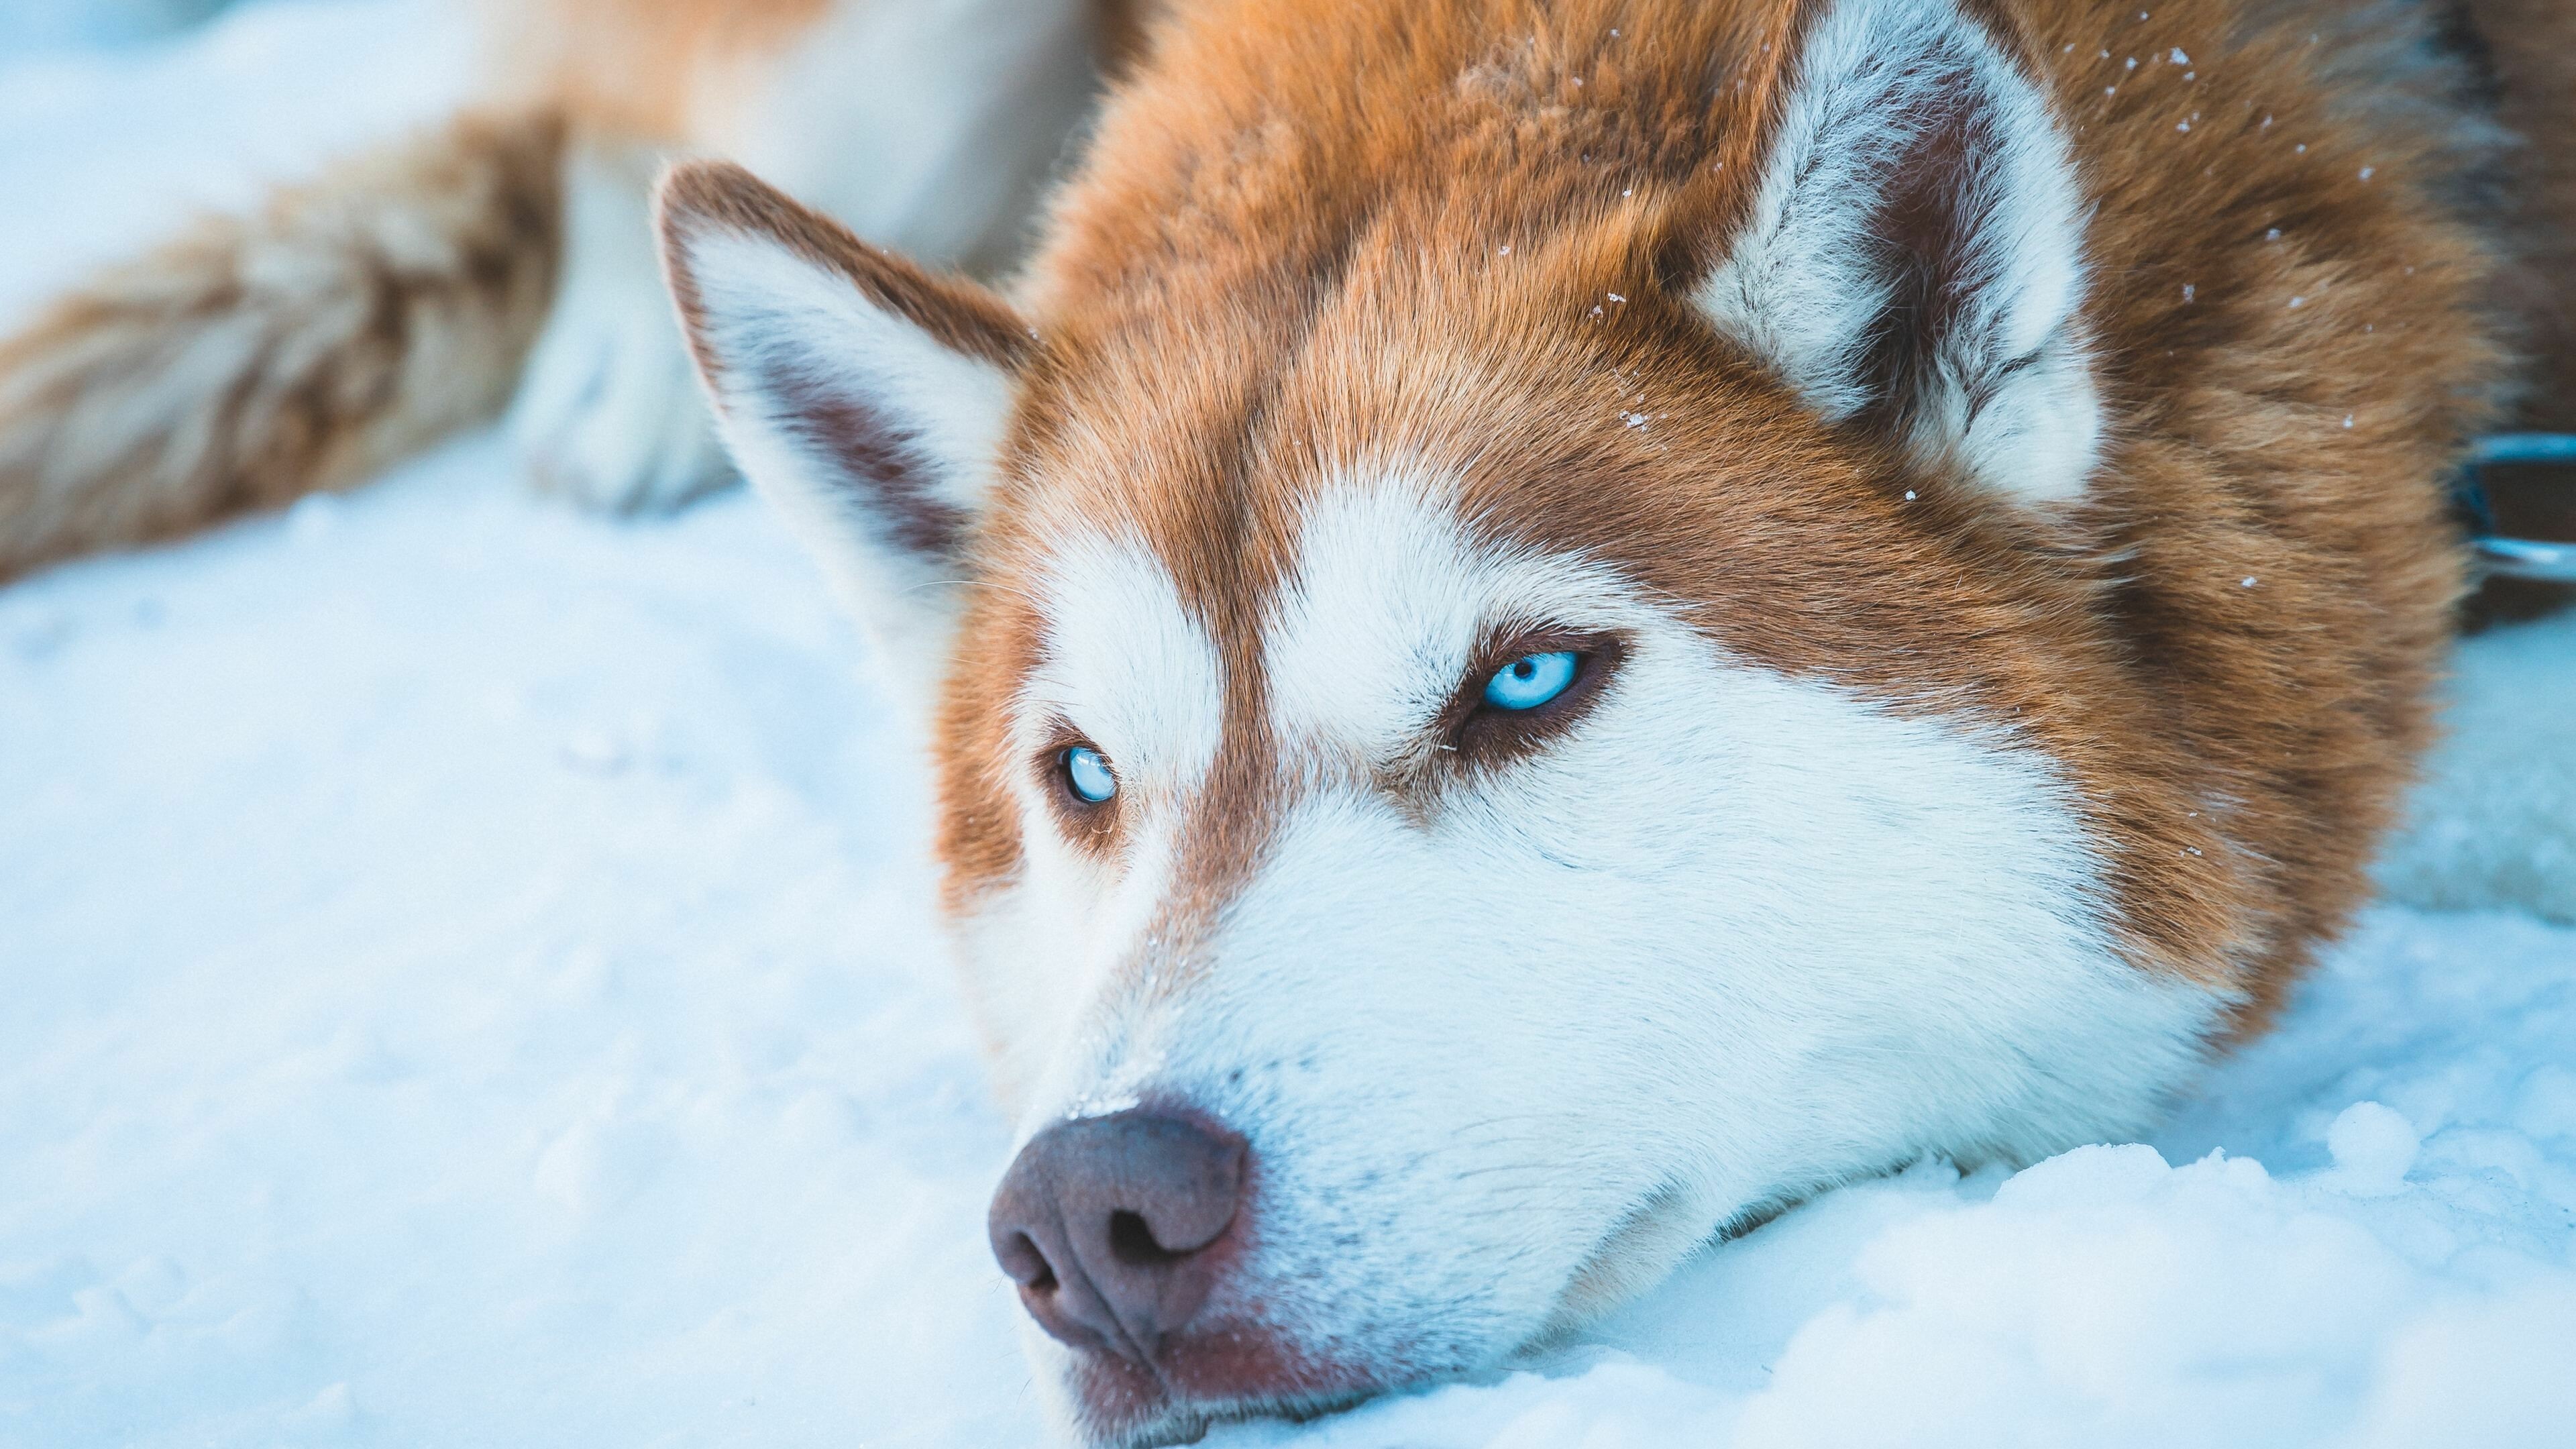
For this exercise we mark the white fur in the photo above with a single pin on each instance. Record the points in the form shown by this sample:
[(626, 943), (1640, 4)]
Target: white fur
[(770, 314), (1737, 937), (1373, 698), (608, 410), (2013, 404), (925, 125), (1125, 664), (1372, 640)]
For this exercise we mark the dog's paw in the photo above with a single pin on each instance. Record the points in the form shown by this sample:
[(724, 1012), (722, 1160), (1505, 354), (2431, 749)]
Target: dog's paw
[(609, 411)]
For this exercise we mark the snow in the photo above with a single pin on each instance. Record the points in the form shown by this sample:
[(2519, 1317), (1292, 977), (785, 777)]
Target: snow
[(2497, 827), (202, 124), (470, 981), (35, 26)]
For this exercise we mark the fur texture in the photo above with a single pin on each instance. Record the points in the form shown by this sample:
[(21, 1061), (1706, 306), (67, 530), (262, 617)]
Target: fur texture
[(1916, 168), (1986, 455), (407, 293), (254, 360), (841, 372), (2526, 50)]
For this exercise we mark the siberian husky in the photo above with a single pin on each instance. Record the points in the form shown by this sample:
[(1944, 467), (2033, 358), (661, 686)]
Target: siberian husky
[(1550, 625)]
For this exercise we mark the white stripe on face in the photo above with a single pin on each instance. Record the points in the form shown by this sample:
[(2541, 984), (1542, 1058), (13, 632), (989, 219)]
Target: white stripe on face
[(1388, 604), (1123, 664), (1126, 665), (1730, 936)]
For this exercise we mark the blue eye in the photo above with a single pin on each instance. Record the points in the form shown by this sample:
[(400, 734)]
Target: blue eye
[(1087, 772), (1531, 680)]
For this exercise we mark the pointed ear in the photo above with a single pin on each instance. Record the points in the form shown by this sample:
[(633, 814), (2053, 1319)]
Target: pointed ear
[(863, 396), (1913, 259)]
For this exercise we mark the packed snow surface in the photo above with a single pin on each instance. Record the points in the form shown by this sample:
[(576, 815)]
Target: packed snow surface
[(470, 981)]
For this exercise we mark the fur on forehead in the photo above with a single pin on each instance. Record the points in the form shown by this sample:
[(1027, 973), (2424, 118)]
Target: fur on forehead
[(1390, 600), (1272, 270), (1121, 660)]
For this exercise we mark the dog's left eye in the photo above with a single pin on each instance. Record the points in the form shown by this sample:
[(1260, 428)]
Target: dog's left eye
[(1532, 680), (1086, 773)]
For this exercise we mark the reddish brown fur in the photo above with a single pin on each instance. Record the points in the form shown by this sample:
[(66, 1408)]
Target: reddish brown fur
[(188, 386), (1284, 258), (180, 389), (2534, 44), (254, 360), (723, 196)]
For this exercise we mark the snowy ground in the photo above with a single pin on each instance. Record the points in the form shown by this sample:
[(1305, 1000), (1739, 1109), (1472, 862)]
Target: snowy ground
[(468, 982)]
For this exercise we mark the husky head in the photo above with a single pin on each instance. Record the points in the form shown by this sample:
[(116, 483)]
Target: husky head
[(1488, 736)]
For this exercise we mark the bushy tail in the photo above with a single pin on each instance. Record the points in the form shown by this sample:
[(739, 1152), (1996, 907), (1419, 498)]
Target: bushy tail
[(354, 320)]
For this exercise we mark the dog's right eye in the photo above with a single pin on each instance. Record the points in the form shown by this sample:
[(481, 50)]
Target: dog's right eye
[(1087, 775), (1532, 680), (1528, 691)]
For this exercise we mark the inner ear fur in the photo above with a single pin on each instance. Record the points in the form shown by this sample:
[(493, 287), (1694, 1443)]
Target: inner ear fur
[(1911, 262), (866, 397), (700, 197)]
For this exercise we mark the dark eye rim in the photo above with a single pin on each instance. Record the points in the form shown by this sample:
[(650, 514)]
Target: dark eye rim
[(1472, 729)]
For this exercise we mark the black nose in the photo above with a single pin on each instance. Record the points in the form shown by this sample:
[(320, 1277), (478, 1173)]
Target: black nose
[(1104, 1223)]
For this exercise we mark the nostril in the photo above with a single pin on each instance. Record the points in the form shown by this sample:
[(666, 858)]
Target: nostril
[(1105, 1223), (1131, 1238), (1027, 1264)]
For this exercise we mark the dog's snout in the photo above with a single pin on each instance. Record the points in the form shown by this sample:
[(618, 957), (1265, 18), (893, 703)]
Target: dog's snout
[(1106, 1224)]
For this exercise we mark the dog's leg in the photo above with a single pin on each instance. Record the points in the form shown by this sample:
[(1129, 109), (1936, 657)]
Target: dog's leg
[(608, 411), (929, 129), (925, 128)]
